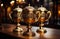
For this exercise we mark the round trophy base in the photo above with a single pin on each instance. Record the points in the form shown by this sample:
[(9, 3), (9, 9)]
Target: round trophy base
[(29, 34), (18, 29), (41, 31)]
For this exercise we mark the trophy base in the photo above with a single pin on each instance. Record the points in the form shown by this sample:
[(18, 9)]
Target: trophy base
[(41, 31), (29, 34), (18, 29)]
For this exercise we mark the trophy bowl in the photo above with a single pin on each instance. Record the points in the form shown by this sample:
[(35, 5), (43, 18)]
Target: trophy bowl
[(29, 17), (15, 16), (43, 15)]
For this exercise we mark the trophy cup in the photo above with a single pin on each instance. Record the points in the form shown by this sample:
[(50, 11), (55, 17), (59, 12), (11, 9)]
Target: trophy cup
[(16, 17), (29, 17), (43, 16)]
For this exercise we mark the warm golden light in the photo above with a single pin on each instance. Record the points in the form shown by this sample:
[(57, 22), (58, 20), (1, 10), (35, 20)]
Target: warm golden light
[(20, 1), (12, 3), (1, 5), (8, 9), (23, 0), (59, 12), (42, 19), (29, 20)]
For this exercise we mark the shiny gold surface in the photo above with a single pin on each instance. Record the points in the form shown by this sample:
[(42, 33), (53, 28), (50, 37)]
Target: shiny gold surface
[(29, 20), (42, 19)]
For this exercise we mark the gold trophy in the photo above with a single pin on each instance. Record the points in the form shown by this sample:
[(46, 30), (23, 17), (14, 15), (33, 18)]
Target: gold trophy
[(43, 16), (29, 17), (16, 17)]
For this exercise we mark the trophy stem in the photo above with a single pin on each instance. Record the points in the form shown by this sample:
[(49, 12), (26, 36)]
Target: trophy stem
[(18, 28), (41, 29), (41, 25), (29, 32)]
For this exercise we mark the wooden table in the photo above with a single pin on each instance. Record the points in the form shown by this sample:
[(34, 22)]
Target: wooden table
[(6, 31)]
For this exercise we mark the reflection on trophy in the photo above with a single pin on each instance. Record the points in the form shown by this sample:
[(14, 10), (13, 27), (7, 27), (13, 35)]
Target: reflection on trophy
[(43, 15), (16, 17), (29, 17)]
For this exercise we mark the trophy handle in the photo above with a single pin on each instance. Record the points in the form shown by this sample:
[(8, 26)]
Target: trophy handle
[(38, 14), (49, 15), (10, 16)]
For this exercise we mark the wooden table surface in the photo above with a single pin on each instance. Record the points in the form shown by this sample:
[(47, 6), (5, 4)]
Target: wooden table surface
[(7, 29)]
